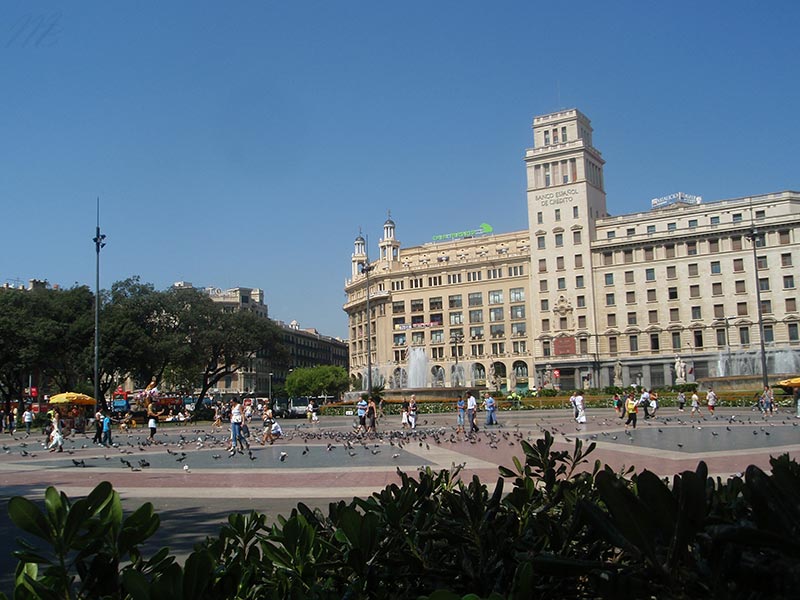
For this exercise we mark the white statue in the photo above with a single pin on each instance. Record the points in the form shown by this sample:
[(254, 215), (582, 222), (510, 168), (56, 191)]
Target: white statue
[(618, 374), (680, 370)]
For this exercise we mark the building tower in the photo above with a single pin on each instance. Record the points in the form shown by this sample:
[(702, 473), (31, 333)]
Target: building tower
[(565, 199), (389, 246), (359, 256)]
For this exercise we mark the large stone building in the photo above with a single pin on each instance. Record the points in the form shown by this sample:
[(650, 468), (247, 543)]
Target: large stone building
[(581, 298), (305, 347)]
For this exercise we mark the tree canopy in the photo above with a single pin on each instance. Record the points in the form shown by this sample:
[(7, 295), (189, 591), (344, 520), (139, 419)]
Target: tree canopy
[(178, 335), (324, 380)]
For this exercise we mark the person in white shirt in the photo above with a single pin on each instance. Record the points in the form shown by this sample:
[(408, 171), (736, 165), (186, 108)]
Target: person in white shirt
[(237, 417), (711, 400), (644, 401), (27, 419), (472, 409), (580, 408)]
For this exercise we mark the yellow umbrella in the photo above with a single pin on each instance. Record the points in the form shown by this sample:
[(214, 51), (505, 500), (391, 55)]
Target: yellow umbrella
[(72, 398), (793, 382)]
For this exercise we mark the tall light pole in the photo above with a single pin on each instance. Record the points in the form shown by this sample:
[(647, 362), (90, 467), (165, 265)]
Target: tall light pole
[(366, 268), (753, 237), (99, 242), (455, 340), (270, 388)]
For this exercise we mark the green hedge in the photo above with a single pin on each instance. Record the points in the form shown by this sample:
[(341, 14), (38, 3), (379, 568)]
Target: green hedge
[(564, 528)]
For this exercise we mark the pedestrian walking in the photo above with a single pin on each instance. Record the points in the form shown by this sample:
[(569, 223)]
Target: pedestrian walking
[(653, 404), (619, 406), (472, 410), (27, 419), (237, 418), (644, 402), (361, 413), (106, 428), (767, 401), (152, 420), (412, 412), (461, 410), (491, 406), (404, 414), (632, 408), (371, 416), (681, 400), (711, 400), (580, 406), (695, 403), (56, 433), (267, 419), (572, 405)]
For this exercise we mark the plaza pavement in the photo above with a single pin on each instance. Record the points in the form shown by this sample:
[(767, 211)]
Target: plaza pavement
[(194, 483)]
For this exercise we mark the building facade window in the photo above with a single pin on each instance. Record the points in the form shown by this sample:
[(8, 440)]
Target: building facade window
[(698, 338), (655, 342), (744, 336)]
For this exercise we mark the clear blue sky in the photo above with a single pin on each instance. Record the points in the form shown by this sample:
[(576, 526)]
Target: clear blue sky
[(245, 143)]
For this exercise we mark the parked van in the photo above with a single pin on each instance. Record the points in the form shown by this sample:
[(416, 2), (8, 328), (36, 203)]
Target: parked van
[(296, 407)]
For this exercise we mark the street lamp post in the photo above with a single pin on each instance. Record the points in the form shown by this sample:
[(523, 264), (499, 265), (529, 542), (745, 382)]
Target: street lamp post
[(366, 268), (753, 237), (99, 242), (456, 339), (270, 388)]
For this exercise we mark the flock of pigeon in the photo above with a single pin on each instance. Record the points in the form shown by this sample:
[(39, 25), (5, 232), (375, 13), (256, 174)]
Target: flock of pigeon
[(136, 453)]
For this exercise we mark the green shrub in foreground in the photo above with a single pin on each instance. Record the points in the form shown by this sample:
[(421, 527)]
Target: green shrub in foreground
[(560, 531)]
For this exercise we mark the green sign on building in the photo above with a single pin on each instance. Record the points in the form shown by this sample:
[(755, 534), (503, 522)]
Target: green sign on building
[(482, 230)]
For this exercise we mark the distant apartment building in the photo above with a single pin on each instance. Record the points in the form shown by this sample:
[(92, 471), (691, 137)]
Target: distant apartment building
[(305, 347), (579, 291)]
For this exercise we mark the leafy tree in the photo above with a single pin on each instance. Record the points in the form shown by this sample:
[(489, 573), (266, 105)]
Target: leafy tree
[(49, 331), (18, 353), (215, 344), (140, 334), (324, 380)]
